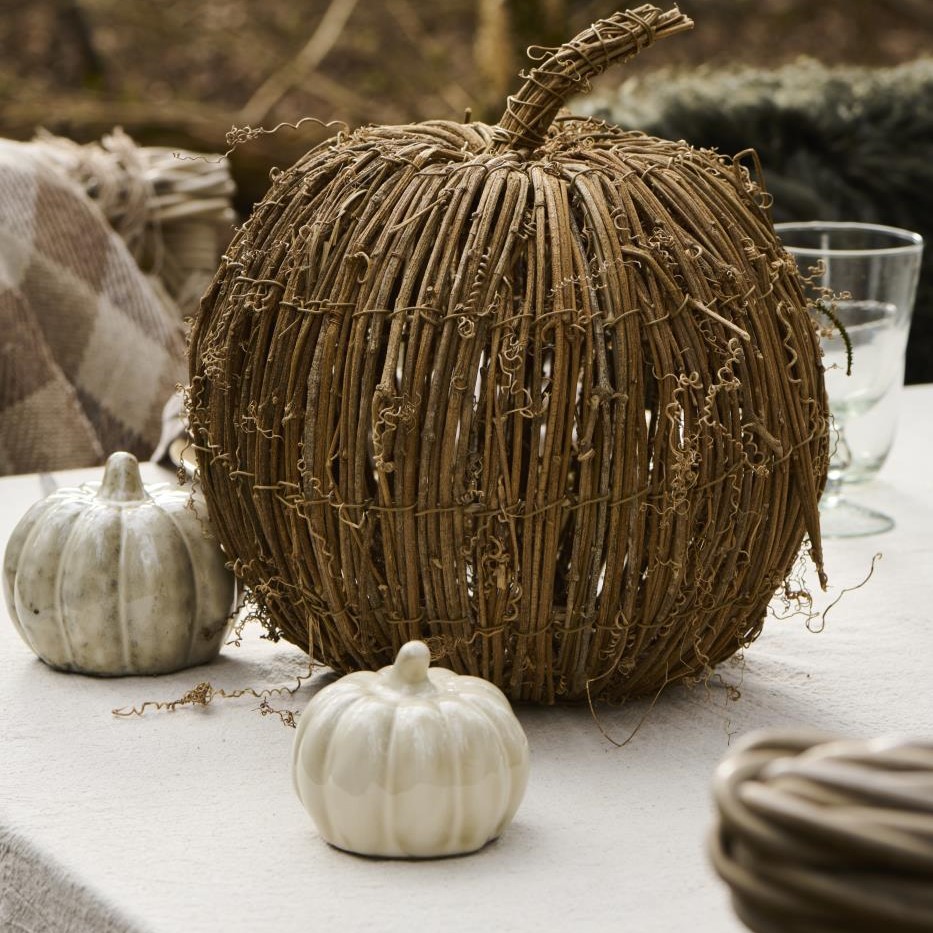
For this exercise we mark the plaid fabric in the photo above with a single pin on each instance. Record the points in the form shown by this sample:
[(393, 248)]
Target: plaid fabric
[(89, 351)]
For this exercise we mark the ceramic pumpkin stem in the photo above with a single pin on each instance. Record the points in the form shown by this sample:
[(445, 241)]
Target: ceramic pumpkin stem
[(411, 663), (122, 482), (568, 70), (411, 666)]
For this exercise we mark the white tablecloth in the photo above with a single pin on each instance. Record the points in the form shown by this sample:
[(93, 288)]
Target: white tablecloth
[(186, 822)]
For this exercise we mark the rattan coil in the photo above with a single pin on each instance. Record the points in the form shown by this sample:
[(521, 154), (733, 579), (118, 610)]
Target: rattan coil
[(827, 836)]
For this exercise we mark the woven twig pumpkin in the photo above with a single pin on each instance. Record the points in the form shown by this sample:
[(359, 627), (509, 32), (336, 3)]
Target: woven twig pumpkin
[(543, 394)]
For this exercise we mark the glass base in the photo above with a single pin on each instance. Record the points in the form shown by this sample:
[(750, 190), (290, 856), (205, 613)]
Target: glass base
[(840, 518)]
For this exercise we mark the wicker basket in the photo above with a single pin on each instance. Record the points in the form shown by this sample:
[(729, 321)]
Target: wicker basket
[(821, 836), (544, 394)]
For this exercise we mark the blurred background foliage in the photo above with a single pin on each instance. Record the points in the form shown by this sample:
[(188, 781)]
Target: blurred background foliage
[(183, 72)]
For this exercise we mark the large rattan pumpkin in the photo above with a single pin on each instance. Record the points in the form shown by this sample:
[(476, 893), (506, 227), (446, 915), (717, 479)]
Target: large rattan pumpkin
[(544, 394)]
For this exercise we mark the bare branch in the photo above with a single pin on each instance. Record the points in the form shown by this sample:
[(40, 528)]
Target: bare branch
[(280, 82)]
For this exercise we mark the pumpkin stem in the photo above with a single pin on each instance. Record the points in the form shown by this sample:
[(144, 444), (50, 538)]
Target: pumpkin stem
[(122, 482), (412, 662), (567, 70)]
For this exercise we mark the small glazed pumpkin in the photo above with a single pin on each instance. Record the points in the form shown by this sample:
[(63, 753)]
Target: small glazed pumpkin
[(410, 761), (118, 578)]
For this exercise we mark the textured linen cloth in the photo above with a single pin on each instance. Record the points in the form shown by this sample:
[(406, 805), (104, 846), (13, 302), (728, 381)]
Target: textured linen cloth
[(36, 896), (187, 822), (89, 349)]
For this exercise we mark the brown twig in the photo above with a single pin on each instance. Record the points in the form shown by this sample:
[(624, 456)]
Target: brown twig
[(204, 693)]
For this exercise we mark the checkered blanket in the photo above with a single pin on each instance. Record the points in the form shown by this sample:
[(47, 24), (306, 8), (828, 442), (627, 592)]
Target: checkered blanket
[(89, 349)]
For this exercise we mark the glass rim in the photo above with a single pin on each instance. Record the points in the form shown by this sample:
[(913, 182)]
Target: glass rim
[(910, 242)]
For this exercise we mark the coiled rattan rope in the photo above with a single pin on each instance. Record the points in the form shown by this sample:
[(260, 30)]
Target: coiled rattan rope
[(822, 836)]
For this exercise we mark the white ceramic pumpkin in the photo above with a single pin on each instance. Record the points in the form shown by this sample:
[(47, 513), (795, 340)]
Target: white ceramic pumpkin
[(410, 761), (118, 578)]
